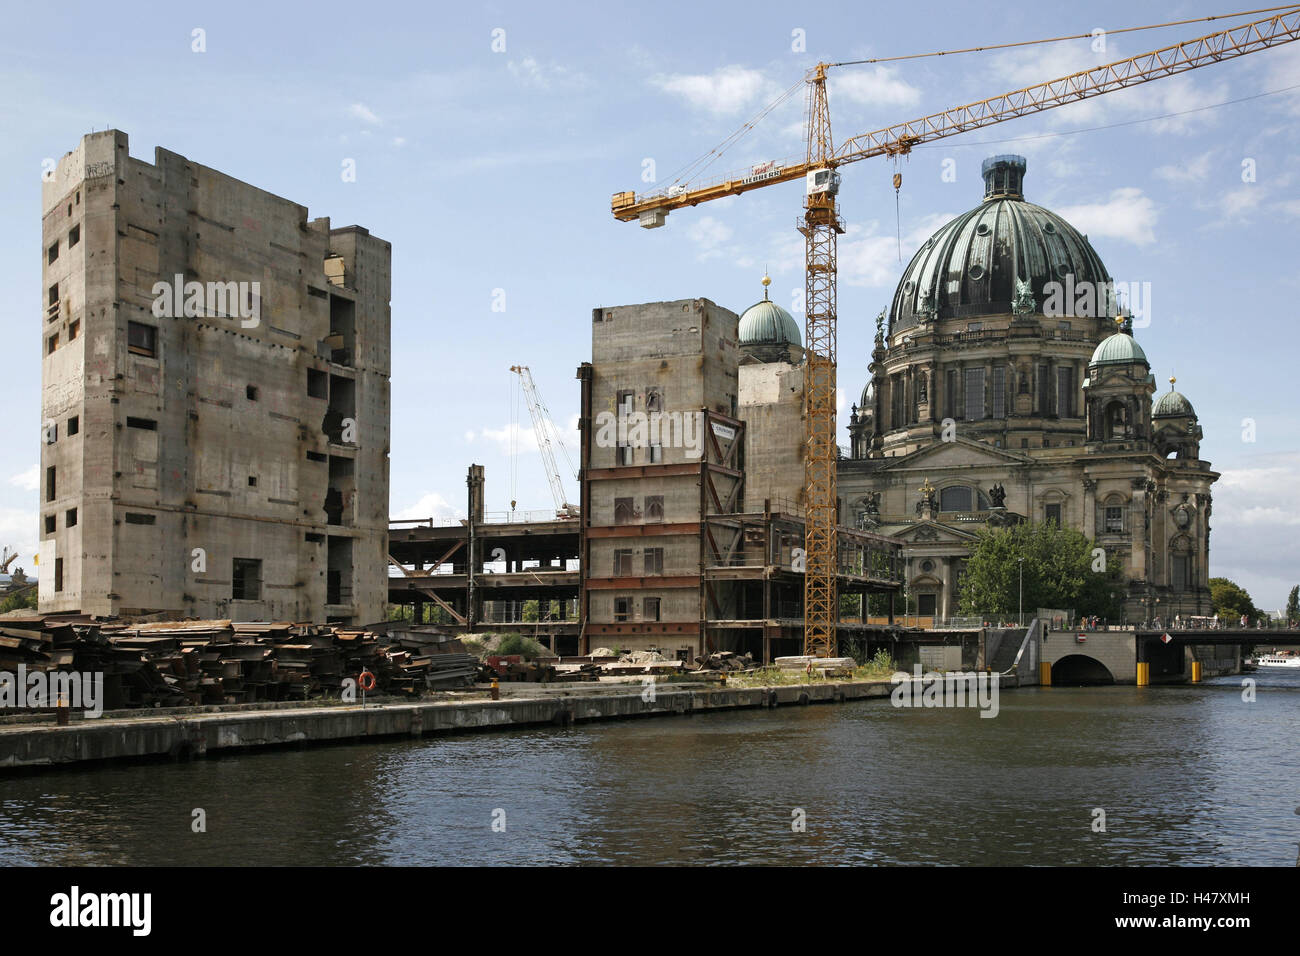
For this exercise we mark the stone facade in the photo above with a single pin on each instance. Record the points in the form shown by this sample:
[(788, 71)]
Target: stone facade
[(1008, 379)]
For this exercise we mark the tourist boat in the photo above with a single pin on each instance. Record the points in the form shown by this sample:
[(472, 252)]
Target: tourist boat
[(1283, 659)]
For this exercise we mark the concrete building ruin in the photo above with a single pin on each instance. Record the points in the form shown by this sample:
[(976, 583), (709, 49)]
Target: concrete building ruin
[(215, 397)]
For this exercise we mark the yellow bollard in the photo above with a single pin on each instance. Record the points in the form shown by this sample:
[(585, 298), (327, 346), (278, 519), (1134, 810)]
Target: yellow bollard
[(496, 689), (1143, 674), (1196, 672), (1044, 674)]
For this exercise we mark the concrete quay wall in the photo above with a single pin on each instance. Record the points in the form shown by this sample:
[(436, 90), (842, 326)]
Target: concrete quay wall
[(195, 735)]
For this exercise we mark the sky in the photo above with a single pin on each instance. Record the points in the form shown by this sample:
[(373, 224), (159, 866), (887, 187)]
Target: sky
[(487, 140)]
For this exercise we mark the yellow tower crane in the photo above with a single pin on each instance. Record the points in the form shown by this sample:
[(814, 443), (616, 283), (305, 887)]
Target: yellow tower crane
[(821, 225)]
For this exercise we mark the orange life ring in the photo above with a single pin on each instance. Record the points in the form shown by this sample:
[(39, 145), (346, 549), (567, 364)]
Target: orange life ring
[(366, 681)]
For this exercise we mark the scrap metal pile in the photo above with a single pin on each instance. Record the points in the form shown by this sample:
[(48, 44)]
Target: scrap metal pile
[(183, 663), (604, 662)]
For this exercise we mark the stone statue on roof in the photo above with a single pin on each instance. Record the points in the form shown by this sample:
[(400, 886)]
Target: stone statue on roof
[(1024, 302)]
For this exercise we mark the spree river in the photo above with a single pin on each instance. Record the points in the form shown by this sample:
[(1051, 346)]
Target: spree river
[(1188, 775)]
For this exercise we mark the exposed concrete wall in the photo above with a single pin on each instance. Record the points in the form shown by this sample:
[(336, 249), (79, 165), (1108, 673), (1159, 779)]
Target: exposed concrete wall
[(675, 360), (194, 442), (200, 735), (771, 403)]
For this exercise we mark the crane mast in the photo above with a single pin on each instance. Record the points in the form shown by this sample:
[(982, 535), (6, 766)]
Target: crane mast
[(542, 427), (821, 226)]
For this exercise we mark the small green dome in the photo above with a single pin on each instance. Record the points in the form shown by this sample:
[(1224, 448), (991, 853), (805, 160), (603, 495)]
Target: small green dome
[(1119, 349), (766, 323), (1173, 405)]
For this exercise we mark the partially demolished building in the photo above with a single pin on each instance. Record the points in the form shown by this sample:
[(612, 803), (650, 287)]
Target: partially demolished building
[(215, 397)]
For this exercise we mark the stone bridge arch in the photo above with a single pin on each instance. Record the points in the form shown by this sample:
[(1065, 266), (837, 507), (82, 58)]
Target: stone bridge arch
[(1113, 655), (1079, 669)]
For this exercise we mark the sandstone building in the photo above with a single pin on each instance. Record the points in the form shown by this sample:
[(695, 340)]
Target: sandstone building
[(215, 397), (1007, 385)]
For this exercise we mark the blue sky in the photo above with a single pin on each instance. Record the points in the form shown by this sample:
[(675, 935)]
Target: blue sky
[(492, 170)]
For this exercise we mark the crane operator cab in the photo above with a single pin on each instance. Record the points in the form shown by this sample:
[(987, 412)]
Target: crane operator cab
[(823, 180)]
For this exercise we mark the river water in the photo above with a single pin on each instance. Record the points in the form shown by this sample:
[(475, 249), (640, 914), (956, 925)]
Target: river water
[(1189, 775)]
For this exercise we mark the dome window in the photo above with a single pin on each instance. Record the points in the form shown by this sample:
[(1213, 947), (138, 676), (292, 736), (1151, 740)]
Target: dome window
[(976, 271), (1048, 227), (908, 286), (982, 229), (1062, 270)]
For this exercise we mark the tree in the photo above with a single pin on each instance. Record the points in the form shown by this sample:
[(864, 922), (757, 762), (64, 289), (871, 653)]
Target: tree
[(1293, 604), (1058, 573), (26, 598), (1231, 601)]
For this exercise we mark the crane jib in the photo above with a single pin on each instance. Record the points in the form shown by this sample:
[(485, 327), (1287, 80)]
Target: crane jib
[(1085, 84)]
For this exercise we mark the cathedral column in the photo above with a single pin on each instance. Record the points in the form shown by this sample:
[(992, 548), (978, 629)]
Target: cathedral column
[(949, 604)]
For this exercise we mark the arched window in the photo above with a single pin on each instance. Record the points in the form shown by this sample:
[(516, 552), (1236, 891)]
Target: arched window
[(1181, 567), (1117, 423), (963, 498), (1114, 515), (955, 498)]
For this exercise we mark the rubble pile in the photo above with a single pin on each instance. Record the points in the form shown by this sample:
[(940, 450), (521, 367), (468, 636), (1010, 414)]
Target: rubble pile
[(184, 663)]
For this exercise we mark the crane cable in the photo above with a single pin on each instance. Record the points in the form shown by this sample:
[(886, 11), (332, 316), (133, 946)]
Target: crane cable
[(697, 166), (513, 440), (1075, 36)]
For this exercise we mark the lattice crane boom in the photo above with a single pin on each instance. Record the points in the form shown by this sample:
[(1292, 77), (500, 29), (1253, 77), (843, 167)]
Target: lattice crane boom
[(900, 138), (542, 428), (821, 226)]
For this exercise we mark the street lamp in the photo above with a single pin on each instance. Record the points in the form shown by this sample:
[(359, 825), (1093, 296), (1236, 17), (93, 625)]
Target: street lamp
[(1021, 563)]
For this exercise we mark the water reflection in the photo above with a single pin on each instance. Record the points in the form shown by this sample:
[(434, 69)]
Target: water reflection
[(1185, 775)]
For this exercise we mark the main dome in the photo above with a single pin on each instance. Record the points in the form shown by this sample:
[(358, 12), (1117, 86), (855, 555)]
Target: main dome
[(970, 266)]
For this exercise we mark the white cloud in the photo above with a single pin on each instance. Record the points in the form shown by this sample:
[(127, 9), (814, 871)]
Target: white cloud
[(1166, 95), (1194, 171), (1240, 201), (430, 505), (364, 113), (510, 438), (1255, 521), (728, 89), (872, 261), (709, 234), (28, 480), (18, 530), (1256, 495), (399, 141), (1284, 72), (880, 86), (544, 76), (1128, 214)]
